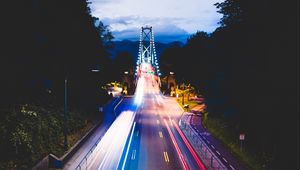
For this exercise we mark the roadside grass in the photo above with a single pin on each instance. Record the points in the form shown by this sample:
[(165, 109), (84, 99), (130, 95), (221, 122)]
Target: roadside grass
[(230, 141), (226, 137)]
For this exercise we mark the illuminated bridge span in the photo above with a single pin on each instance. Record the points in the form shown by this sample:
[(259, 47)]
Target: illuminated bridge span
[(147, 53)]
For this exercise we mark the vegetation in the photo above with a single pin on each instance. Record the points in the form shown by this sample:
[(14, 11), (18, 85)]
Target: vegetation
[(247, 71), (30, 132), (44, 43), (230, 140)]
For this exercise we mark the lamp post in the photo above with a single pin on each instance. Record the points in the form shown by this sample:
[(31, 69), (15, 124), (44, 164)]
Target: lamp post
[(169, 87), (65, 117), (171, 73), (182, 102), (66, 110)]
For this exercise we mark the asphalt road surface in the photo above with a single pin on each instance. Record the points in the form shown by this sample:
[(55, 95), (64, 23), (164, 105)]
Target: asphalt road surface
[(144, 135), (156, 142)]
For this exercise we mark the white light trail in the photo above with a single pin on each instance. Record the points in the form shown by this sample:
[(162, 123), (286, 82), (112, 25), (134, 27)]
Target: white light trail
[(139, 91), (127, 150), (108, 152)]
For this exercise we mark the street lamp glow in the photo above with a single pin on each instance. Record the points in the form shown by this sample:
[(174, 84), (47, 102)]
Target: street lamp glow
[(125, 72), (95, 70)]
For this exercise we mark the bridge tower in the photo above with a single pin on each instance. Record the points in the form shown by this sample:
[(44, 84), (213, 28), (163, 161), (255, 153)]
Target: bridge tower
[(147, 53)]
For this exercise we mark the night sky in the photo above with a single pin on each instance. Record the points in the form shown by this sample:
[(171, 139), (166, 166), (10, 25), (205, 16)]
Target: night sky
[(171, 20)]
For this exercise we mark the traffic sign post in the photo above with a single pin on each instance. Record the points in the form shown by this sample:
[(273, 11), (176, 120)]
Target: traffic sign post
[(242, 138)]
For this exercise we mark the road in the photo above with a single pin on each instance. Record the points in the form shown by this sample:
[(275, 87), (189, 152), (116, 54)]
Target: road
[(156, 142), (144, 135), (78, 160)]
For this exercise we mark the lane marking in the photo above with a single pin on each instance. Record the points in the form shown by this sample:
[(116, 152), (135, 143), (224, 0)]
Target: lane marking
[(118, 104), (133, 154), (166, 157), (185, 166), (212, 146), (160, 134), (225, 160), (218, 152), (231, 167), (123, 166)]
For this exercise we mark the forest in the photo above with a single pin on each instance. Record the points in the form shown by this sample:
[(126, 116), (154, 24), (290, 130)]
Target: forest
[(247, 70), (45, 46)]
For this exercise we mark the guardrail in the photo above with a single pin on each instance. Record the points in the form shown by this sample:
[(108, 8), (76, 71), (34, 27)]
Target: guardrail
[(84, 162), (211, 161)]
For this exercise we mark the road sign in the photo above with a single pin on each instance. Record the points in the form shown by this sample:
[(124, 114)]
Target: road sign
[(242, 136)]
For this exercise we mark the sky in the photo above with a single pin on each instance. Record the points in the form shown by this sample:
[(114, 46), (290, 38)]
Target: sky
[(171, 20)]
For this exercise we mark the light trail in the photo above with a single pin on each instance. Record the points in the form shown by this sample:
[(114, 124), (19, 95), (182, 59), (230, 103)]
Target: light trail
[(108, 152), (139, 91), (127, 150), (199, 163), (185, 166)]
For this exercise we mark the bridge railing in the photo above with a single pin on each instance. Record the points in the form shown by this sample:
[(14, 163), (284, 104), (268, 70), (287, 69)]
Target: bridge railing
[(85, 160), (211, 161)]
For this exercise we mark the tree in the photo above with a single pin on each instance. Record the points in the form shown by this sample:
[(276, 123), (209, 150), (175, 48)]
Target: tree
[(105, 33), (232, 11), (58, 39)]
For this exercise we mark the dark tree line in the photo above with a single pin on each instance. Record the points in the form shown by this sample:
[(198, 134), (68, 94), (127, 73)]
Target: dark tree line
[(248, 71), (44, 42)]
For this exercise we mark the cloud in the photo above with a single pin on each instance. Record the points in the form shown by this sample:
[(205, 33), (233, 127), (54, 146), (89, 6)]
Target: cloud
[(169, 18), (133, 35), (162, 32)]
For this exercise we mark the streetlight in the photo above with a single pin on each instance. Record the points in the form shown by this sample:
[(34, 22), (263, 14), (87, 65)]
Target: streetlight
[(66, 111), (95, 70), (168, 88), (65, 117)]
